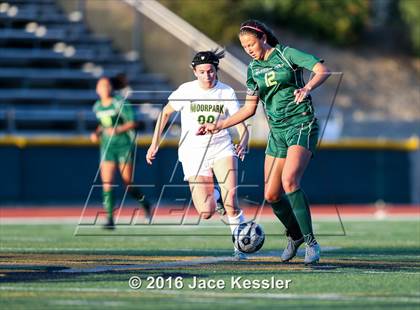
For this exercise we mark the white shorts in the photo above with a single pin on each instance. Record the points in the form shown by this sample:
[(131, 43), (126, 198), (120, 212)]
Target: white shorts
[(200, 161)]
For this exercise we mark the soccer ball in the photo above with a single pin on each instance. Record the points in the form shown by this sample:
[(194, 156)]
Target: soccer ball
[(248, 237)]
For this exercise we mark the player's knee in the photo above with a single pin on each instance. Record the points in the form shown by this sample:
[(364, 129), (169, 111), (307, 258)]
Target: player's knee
[(290, 183), (107, 187), (271, 197), (206, 215)]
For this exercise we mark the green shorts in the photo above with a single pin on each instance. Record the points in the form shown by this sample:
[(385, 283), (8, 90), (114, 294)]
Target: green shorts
[(305, 135), (120, 154)]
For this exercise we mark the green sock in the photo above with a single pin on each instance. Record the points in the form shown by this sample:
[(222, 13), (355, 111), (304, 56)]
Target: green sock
[(300, 206), (283, 210), (108, 202)]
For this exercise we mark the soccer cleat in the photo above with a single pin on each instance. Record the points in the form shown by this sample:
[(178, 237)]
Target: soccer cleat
[(238, 255), (220, 208), (312, 253), (291, 249), (109, 224)]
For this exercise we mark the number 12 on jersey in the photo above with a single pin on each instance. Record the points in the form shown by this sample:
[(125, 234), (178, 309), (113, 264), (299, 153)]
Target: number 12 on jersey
[(270, 78)]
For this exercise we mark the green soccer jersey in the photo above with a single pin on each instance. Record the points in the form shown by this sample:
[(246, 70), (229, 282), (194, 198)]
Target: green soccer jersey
[(115, 114), (274, 80)]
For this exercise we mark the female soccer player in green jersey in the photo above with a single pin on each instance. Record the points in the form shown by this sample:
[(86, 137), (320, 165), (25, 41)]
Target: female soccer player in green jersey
[(275, 78), (116, 134)]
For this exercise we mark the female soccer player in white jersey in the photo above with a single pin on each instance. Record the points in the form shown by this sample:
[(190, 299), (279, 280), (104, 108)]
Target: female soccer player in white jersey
[(206, 100)]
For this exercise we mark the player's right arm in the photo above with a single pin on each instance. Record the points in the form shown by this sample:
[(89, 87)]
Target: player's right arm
[(94, 136), (247, 110), (160, 126)]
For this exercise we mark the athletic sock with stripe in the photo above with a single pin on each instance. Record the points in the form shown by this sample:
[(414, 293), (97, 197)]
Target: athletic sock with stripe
[(283, 210), (108, 202), (300, 206)]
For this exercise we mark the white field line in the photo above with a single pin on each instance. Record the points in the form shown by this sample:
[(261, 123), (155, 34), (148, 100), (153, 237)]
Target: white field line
[(218, 294), (387, 272), (97, 251), (207, 260), (74, 220), (72, 302), (164, 265)]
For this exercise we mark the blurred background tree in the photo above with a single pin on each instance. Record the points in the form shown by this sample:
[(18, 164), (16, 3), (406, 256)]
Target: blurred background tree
[(410, 14), (219, 19), (338, 22)]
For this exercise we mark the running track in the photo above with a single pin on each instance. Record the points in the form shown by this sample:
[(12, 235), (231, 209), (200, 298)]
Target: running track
[(318, 211)]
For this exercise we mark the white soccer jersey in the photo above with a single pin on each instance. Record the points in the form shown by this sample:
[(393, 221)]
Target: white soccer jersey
[(199, 106)]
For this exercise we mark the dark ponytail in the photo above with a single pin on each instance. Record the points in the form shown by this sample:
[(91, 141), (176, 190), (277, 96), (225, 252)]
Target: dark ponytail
[(258, 29)]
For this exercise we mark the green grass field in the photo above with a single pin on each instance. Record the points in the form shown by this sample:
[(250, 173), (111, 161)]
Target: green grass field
[(376, 265)]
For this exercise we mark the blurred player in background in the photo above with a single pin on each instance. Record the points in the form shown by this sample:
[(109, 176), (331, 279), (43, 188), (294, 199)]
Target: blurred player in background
[(116, 136), (206, 99), (275, 76)]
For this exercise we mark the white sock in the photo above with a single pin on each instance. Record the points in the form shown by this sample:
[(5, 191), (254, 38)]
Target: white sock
[(234, 221)]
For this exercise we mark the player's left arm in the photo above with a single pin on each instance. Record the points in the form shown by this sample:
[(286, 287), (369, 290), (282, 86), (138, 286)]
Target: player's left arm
[(321, 73), (125, 127)]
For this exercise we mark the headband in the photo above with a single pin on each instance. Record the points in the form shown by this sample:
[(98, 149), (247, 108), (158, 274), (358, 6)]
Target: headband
[(253, 28), (207, 57)]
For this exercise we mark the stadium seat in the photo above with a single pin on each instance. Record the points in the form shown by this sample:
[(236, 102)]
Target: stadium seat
[(49, 67)]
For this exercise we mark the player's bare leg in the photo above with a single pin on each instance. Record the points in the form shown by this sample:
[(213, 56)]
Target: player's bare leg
[(226, 171), (274, 194), (273, 168), (296, 163), (202, 192)]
